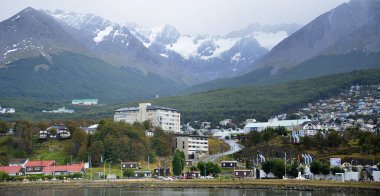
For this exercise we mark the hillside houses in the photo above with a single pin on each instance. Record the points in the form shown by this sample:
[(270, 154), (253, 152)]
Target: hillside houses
[(57, 131), (7, 110), (359, 106)]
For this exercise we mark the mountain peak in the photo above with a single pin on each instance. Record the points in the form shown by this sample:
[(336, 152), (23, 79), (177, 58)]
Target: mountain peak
[(28, 9)]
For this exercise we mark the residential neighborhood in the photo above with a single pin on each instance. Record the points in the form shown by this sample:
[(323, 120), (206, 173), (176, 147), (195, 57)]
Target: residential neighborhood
[(358, 107)]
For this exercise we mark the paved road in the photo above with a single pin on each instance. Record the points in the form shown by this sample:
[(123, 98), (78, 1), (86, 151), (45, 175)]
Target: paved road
[(235, 147)]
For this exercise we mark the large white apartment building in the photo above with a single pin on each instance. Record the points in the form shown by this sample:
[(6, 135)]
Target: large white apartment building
[(194, 147), (166, 118)]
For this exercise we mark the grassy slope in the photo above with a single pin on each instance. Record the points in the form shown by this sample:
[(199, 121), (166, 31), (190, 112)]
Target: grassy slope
[(316, 67), (69, 75), (217, 146)]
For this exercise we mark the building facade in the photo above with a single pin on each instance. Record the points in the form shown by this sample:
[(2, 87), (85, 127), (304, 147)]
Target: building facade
[(193, 147), (274, 123), (37, 167), (228, 164), (166, 118), (191, 175), (243, 173), (129, 165), (84, 101)]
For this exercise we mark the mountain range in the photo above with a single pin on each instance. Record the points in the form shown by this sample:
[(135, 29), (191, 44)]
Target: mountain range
[(58, 55), (343, 39)]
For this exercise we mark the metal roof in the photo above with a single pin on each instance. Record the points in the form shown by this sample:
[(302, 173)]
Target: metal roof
[(127, 109), (155, 107)]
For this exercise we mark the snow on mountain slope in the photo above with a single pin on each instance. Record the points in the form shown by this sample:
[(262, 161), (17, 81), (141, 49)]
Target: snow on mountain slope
[(103, 33), (268, 40), (214, 56), (204, 47), (203, 56)]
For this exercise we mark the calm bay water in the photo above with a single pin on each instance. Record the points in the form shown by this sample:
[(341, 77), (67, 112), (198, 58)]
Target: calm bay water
[(166, 191)]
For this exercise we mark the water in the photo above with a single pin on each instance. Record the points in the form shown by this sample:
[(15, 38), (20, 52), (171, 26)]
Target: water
[(166, 192)]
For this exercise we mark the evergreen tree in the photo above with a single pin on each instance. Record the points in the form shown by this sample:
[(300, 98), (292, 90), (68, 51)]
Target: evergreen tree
[(178, 162)]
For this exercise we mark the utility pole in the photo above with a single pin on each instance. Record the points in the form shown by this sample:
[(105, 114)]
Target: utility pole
[(285, 166), (204, 169), (148, 163), (109, 168), (165, 169), (159, 168), (54, 169), (104, 169), (121, 168)]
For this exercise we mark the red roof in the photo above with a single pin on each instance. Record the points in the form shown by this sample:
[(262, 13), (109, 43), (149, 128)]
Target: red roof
[(10, 169), (40, 163), (64, 168)]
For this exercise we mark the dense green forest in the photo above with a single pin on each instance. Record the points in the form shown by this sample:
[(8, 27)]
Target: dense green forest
[(67, 76), (259, 102), (113, 141)]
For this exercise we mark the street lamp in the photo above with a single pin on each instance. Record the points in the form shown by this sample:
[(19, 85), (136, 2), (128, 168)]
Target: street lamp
[(285, 166), (109, 168), (165, 169), (121, 168), (104, 168), (204, 168)]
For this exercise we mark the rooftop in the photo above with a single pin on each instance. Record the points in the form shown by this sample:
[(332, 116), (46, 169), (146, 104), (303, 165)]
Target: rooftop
[(40, 163), (155, 107), (75, 168), (148, 107), (17, 161), (10, 169)]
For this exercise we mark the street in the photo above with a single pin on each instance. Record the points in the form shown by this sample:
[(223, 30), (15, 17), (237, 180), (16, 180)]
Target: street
[(235, 147)]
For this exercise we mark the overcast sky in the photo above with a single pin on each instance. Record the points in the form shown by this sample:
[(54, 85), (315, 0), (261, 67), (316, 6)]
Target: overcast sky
[(188, 16)]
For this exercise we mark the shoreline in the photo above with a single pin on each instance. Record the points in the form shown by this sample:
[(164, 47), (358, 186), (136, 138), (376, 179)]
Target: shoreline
[(309, 185)]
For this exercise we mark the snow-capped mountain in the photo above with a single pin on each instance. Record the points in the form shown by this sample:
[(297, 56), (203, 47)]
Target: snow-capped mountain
[(44, 58), (160, 50), (32, 33), (341, 40), (114, 43), (209, 57)]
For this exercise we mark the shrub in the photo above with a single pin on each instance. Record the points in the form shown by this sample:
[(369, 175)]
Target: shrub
[(335, 170), (4, 175), (128, 173)]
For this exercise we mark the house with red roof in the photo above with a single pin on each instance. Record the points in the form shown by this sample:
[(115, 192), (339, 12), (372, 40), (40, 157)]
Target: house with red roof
[(12, 170), (18, 162), (64, 169), (37, 167)]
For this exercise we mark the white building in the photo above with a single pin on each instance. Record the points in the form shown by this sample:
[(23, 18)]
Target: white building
[(59, 111), (274, 123), (7, 110), (223, 133), (225, 122), (166, 118), (84, 101), (194, 147)]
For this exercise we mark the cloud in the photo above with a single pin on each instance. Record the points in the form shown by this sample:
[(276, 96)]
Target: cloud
[(189, 17)]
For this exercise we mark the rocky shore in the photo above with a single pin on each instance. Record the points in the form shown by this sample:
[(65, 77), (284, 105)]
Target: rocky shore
[(347, 187)]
